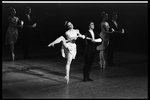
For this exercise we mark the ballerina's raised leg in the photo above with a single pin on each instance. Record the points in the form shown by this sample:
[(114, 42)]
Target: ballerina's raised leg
[(58, 40)]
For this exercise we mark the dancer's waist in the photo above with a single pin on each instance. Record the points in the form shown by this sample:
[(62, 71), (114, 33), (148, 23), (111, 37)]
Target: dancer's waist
[(71, 41)]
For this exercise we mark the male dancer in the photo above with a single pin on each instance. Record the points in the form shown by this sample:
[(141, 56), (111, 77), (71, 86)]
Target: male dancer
[(114, 37), (29, 24), (90, 51)]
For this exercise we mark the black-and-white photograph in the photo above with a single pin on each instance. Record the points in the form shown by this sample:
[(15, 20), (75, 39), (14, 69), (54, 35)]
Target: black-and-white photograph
[(74, 49)]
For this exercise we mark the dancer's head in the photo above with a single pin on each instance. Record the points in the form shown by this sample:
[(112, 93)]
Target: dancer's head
[(12, 11), (91, 25), (104, 16), (28, 10), (114, 17), (69, 25)]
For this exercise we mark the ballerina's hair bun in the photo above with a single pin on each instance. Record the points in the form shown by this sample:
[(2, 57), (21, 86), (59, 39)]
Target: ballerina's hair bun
[(66, 22)]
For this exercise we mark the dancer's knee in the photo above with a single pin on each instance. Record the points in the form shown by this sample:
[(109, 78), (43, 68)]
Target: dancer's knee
[(63, 41), (69, 60), (62, 38), (68, 63)]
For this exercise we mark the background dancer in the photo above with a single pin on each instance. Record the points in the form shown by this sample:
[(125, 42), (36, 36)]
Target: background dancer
[(104, 34), (12, 31), (114, 38), (29, 24)]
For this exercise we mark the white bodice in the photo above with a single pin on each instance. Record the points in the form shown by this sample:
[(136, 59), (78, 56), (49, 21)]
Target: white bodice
[(72, 33)]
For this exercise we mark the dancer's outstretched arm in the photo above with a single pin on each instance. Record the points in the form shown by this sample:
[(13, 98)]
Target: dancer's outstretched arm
[(80, 35), (122, 31)]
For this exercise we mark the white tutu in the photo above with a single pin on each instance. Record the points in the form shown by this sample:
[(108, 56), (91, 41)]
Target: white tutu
[(71, 48)]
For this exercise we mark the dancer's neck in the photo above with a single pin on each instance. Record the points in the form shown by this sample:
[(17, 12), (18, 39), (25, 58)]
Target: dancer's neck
[(71, 29)]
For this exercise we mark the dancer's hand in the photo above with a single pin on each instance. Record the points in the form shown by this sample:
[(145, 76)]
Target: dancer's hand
[(122, 31), (34, 25), (112, 30), (81, 36), (93, 40), (22, 22)]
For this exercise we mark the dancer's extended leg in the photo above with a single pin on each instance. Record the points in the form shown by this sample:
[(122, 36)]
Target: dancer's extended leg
[(58, 40)]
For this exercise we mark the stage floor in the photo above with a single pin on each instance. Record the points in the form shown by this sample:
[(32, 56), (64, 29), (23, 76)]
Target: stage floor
[(43, 77)]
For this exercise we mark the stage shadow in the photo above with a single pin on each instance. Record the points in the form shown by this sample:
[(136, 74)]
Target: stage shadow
[(42, 72)]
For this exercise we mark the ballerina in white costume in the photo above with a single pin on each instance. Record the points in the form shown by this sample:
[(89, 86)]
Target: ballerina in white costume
[(68, 45)]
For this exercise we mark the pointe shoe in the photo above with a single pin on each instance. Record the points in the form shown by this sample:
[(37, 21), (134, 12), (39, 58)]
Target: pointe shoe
[(67, 79), (52, 44), (104, 66)]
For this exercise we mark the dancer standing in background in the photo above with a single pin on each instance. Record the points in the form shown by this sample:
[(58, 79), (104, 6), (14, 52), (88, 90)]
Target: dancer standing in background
[(104, 34), (28, 26), (114, 38), (68, 45), (12, 31)]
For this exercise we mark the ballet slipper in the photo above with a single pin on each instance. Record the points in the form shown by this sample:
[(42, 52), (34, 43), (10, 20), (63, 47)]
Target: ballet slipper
[(51, 44), (67, 79)]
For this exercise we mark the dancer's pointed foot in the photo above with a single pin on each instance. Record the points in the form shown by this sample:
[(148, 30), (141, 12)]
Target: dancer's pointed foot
[(104, 66), (51, 44), (67, 79)]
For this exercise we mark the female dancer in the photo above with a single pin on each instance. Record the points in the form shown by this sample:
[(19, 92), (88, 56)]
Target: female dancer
[(68, 45), (105, 36), (12, 31)]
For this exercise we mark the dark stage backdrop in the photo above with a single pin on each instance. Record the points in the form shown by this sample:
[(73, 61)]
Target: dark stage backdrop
[(50, 18)]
